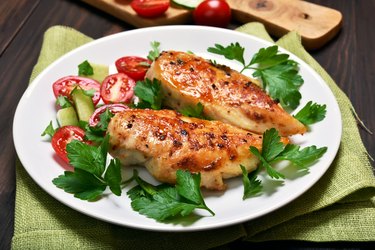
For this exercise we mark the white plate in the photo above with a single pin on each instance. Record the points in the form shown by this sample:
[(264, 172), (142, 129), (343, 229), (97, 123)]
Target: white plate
[(36, 109)]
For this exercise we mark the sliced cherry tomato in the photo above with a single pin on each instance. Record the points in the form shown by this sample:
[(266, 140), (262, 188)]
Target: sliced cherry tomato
[(212, 13), (133, 66), (117, 88), (63, 136), (113, 108), (150, 8), (65, 85)]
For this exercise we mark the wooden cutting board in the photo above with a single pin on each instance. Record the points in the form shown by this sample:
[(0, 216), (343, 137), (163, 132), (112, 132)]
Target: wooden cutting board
[(316, 24)]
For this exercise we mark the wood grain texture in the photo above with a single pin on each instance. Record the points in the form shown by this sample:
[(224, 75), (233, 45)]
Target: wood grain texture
[(348, 58), (316, 24), (13, 14)]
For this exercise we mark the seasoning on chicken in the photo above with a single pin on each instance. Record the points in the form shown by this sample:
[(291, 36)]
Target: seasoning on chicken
[(164, 141), (226, 94)]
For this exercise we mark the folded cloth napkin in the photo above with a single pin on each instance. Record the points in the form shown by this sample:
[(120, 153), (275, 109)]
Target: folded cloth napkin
[(340, 207)]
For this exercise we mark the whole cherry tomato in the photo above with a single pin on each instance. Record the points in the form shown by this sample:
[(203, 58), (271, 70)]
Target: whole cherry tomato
[(117, 88), (150, 8), (212, 13), (134, 66), (63, 136)]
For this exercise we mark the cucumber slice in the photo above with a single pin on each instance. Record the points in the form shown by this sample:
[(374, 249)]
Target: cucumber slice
[(67, 116), (190, 4), (83, 104), (100, 72)]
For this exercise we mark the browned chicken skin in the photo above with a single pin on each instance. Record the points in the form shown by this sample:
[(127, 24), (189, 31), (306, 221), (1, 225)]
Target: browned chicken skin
[(165, 141), (227, 95)]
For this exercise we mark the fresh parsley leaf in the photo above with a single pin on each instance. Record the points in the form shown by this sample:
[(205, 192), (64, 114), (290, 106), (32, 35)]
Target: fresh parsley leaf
[(301, 158), (82, 184), (104, 119), (271, 144), (194, 111), (155, 52), (113, 176), (268, 57), (136, 193), (252, 185), (85, 69), (273, 150), (234, 51), (147, 187), (279, 74), (282, 83), (188, 186), (311, 113), (89, 92), (49, 130), (63, 102), (265, 164), (90, 176), (164, 201), (149, 93), (162, 206), (86, 157), (96, 133)]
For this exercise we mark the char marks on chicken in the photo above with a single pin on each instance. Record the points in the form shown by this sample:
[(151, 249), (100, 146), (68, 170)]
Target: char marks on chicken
[(164, 141), (226, 94)]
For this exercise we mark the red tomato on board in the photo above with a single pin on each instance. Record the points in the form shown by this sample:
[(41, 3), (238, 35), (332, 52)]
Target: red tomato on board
[(113, 108), (212, 13), (117, 88), (65, 85), (133, 66), (150, 8), (63, 136)]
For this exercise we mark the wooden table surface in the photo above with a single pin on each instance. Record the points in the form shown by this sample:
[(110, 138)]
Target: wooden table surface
[(349, 59)]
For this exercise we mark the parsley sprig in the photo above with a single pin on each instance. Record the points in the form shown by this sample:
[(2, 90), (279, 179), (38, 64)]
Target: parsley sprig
[(163, 202), (154, 52), (273, 150), (311, 113), (85, 69), (63, 102), (96, 133), (194, 111), (49, 130), (91, 175), (278, 73), (149, 94), (252, 185)]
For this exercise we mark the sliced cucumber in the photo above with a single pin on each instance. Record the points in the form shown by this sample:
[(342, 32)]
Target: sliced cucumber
[(67, 116), (100, 72), (190, 4), (83, 104)]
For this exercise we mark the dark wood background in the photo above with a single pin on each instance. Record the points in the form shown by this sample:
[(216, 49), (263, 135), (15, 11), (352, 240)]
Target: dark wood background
[(349, 59)]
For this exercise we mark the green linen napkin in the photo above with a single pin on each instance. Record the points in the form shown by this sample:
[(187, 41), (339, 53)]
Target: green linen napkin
[(340, 207)]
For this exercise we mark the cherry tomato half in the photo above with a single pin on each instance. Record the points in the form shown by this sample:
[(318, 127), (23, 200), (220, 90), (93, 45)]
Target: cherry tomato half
[(113, 108), (65, 85), (212, 13), (150, 8), (117, 88), (63, 136), (134, 66)]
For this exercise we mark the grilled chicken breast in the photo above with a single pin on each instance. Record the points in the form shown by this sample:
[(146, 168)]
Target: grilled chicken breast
[(226, 94), (165, 141)]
